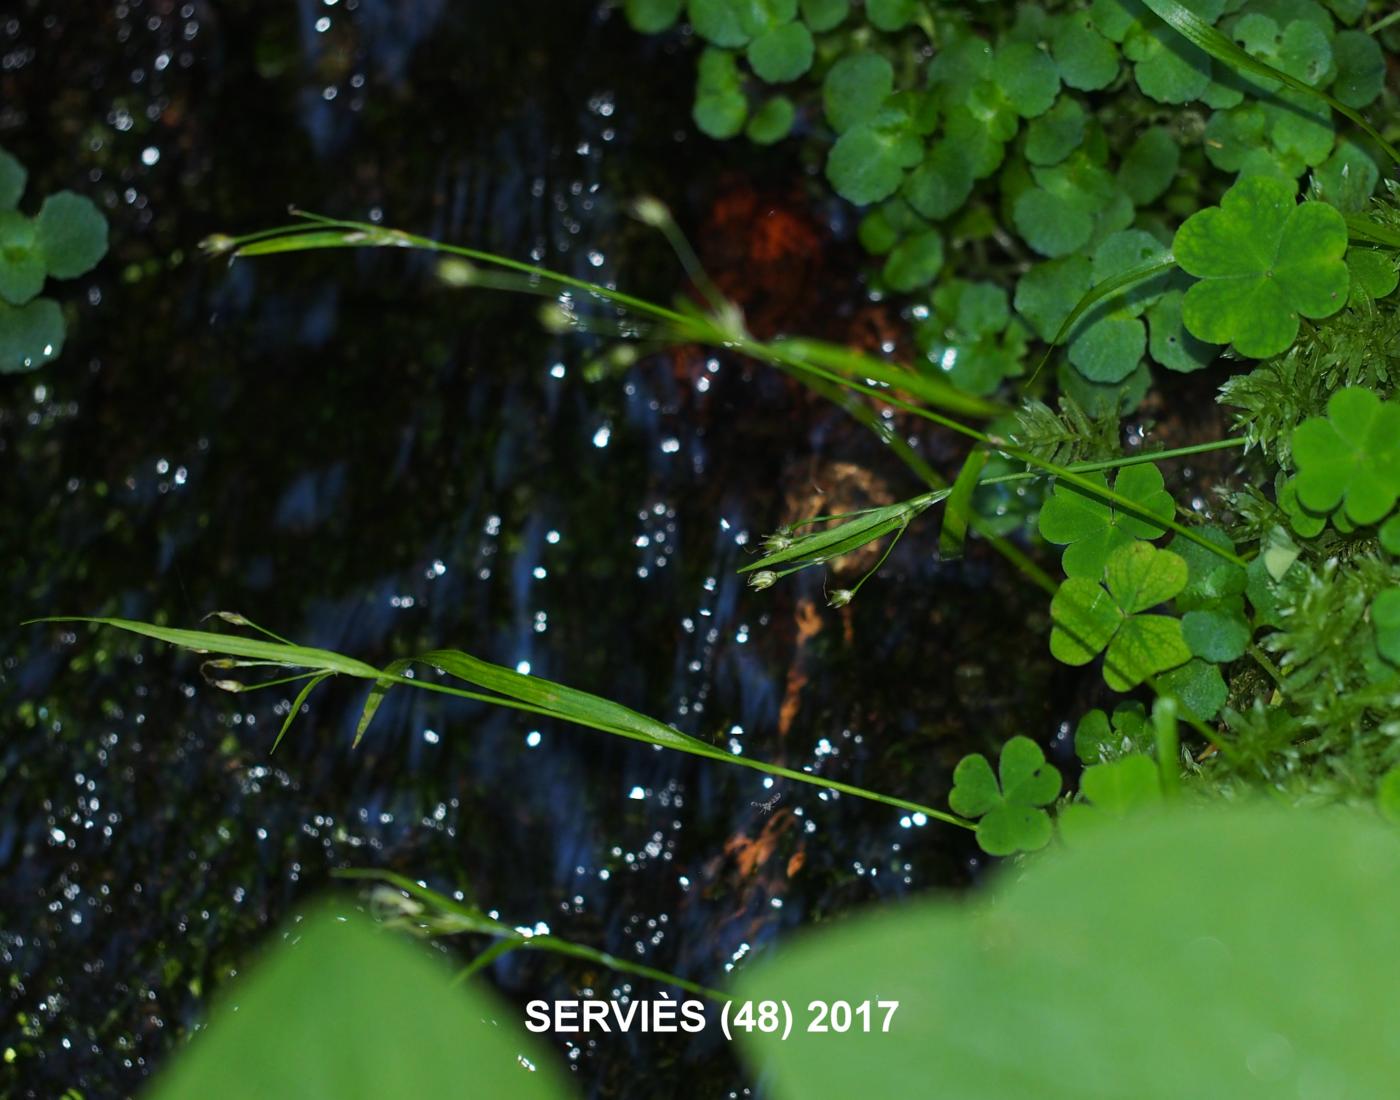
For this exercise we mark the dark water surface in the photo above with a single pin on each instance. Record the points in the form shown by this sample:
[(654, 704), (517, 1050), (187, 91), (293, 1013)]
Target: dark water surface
[(361, 458)]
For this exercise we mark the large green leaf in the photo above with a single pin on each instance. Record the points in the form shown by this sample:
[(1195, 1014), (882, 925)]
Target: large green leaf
[(343, 1010), (1247, 954), (71, 234), (30, 335), (1263, 261)]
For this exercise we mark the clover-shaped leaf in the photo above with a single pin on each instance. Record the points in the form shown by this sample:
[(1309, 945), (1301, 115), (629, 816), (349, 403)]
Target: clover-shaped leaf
[(891, 15), (1113, 791), (30, 335), (1385, 617), (1305, 522), (1010, 816), (1351, 456), (1091, 529), (1263, 261), (1098, 737), (1090, 620)]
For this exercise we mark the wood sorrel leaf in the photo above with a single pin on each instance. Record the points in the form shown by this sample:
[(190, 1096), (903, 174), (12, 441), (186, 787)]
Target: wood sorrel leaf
[(1263, 261)]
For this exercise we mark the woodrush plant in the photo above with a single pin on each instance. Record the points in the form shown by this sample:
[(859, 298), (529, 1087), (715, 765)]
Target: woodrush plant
[(1272, 635)]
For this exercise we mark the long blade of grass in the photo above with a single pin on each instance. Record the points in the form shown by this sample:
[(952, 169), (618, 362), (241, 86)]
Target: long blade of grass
[(959, 507), (1370, 231), (850, 363), (1221, 47), (507, 688), (474, 920), (232, 645)]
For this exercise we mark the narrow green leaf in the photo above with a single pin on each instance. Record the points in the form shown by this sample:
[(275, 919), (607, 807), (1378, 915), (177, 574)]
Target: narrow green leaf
[(959, 507), (857, 365), (377, 692), (301, 698)]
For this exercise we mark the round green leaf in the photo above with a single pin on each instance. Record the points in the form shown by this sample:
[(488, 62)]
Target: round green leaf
[(1215, 635), (1372, 271), (1087, 60), (1198, 687), (772, 122), (941, 183), (867, 162), (1360, 68), (1057, 133), (720, 115), (825, 15), (71, 234), (12, 178), (1150, 165), (1174, 955), (1170, 343), (652, 16), (1348, 177), (1167, 68), (342, 1009), (1027, 77), (718, 22), (855, 88), (1110, 349), (1390, 535), (783, 53), (1048, 293), (22, 269), (30, 335), (915, 262), (1385, 617), (1052, 224), (1086, 619)]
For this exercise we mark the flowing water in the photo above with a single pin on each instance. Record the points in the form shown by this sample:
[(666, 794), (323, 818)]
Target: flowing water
[(353, 454)]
